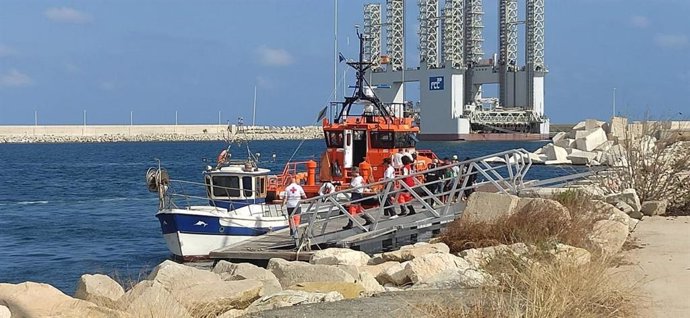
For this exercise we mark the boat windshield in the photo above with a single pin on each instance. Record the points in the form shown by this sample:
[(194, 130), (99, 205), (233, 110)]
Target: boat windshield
[(389, 139)]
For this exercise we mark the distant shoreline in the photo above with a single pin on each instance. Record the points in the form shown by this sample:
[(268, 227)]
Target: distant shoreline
[(149, 133)]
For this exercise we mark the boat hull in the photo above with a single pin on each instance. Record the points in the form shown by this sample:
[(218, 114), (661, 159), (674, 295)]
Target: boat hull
[(484, 137), (194, 232)]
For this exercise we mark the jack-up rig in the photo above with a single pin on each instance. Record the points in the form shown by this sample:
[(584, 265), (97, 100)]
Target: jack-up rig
[(453, 69)]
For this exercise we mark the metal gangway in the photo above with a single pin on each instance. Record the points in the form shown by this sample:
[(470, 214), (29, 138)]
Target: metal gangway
[(436, 203)]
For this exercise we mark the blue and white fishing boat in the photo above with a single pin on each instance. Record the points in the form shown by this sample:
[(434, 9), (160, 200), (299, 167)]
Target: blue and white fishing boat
[(235, 206)]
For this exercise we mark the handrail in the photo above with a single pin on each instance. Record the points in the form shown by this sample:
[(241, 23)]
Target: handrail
[(505, 177)]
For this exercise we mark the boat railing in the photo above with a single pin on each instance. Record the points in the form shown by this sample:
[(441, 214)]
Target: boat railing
[(182, 193), (439, 199)]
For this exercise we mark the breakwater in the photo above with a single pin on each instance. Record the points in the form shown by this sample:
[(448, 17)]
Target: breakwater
[(145, 133)]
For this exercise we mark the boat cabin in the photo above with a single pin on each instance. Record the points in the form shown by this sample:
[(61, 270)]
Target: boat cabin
[(236, 185)]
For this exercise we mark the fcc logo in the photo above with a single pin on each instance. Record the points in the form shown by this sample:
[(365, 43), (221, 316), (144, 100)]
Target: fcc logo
[(436, 83)]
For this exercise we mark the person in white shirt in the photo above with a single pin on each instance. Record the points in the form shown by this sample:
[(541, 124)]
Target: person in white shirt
[(326, 188), (397, 159), (357, 184), (293, 194), (389, 174)]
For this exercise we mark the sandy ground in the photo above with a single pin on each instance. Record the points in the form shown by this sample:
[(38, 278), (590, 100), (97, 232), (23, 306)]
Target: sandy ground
[(661, 267)]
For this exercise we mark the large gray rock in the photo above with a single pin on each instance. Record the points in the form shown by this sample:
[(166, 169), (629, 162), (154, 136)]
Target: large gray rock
[(582, 157), (31, 299), (487, 207), (370, 284), (151, 299), (651, 208), (457, 278), (99, 289), (590, 139), (291, 298), (480, 257), (375, 270), (608, 236), (557, 210), (395, 274), (340, 256), (422, 268), (626, 208), (410, 252), (236, 294), (175, 276), (571, 255), (239, 271), (554, 152), (629, 196), (291, 273)]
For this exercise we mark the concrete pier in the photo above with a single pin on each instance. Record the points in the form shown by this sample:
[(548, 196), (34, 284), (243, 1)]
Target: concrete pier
[(142, 133)]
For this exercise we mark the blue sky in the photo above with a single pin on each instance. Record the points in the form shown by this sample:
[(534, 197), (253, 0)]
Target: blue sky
[(154, 58)]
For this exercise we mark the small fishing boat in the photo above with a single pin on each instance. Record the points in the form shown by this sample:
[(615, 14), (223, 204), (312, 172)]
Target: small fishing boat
[(236, 209)]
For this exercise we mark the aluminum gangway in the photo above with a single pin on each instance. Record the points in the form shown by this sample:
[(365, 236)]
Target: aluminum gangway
[(435, 202)]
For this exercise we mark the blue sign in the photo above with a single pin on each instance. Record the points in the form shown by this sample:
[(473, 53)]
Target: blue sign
[(436, 83)]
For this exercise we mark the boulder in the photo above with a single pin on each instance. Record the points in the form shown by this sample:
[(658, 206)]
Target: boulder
[(457, 278), (410, 252), (232, 313), (239, 271), (480, 257), (626, 208), (292, 273), (556, 153), (589, 140), (236, 294), (340, 256), (651, 208), (559, 136), (580, 126), (593, 124), (637, 215), (175, 276), (582, 157), (288, 298), (608, 236), (31, 299), (571, 255), (5, 312), (348, 290), (376, 259), (525, 205), (628, 196), (422, 268), (396, 274), (99, 289), (369, 283), (487, 207), (604, 147), (375, 270), (566, 143), (151, 299)]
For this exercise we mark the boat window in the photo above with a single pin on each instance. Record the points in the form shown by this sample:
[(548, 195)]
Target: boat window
[(226, 186), (207, 180), (405, 139), (334, 139), (247, 186), (261, 186), (381, 139)]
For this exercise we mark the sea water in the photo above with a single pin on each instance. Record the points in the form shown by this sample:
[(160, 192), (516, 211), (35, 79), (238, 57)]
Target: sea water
[(71, 209)]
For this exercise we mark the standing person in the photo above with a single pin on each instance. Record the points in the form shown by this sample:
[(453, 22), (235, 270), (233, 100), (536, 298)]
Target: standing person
[(397, 159), (293, 193), (405, 196), (389, 175), (357, 184), (432, 182), (326, 188)]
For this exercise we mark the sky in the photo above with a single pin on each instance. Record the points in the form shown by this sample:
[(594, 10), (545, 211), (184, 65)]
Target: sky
[(148, 60)]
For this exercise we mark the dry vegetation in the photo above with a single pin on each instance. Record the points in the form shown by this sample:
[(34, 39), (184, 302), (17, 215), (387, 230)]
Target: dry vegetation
[(658, 166), (540, 287), (536, 225)]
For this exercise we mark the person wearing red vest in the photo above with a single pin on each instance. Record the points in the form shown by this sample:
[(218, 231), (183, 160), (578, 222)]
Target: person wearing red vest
[(405, 196)]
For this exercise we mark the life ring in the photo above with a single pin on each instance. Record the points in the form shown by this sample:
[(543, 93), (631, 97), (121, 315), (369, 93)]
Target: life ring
[(222, 156)]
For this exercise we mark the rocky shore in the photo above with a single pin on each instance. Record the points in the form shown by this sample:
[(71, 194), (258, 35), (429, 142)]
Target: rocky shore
[(337, 274), (99, 134)]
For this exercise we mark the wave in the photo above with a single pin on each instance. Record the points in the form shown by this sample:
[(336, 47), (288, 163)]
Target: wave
[(31, 202)]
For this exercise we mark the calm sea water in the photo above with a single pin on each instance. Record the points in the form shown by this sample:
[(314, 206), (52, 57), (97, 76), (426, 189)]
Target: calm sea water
[(70, 209)]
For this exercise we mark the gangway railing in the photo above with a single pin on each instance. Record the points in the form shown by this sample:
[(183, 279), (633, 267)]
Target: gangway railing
[(438, 199)]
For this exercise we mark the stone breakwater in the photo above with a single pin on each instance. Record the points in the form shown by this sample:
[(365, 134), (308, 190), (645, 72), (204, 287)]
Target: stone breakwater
[(334, 274), (148, 133)]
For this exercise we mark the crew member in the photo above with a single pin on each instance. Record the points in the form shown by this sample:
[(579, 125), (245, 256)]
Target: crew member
[(357, 194), (293, 194)]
